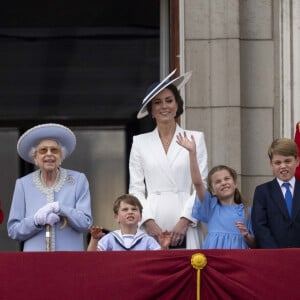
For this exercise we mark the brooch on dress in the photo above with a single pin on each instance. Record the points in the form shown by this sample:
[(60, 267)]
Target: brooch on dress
[(70, 179)]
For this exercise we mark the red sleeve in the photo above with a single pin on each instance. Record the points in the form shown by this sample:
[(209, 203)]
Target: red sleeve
[(297, 140)]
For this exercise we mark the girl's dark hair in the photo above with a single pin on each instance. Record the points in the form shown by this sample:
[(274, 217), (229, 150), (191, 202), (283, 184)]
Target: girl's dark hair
[(178, 100), (238, 197)]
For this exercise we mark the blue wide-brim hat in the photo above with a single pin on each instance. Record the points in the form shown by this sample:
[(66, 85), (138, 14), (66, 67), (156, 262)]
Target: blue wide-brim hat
[(50, 131), (156, 88)]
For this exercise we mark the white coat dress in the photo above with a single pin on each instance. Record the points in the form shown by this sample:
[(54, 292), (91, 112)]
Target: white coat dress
[(162, 182)]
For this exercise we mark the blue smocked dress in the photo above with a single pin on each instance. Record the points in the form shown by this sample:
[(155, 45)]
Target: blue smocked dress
[(220, 220)]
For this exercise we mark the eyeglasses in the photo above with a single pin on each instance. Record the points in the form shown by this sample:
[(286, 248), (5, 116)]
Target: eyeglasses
[(45, 150)]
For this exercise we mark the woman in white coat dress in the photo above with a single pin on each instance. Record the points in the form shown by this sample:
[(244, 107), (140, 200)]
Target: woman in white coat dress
[(160, 170)]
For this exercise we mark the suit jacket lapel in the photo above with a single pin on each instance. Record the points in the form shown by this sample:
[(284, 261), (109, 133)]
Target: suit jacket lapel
[(278, 197), (174, 149), (158, 151)]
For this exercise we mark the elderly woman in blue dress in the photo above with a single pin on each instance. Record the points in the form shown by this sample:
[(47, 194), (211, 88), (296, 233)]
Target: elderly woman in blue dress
[(50, 208)]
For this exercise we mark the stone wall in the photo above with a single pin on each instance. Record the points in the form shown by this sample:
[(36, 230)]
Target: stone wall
[(230, 46)]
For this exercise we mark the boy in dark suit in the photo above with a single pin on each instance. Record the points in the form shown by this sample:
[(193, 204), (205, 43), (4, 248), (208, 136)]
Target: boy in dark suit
[(276, 220)]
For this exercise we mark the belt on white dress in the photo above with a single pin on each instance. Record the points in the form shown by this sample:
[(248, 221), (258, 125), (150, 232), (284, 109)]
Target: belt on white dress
[(164, 192)]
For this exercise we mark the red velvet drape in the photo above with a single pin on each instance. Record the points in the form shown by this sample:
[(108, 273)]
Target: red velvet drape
[(143, 275)]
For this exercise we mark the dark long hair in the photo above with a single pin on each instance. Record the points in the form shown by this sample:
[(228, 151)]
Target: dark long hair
[(178, 100)]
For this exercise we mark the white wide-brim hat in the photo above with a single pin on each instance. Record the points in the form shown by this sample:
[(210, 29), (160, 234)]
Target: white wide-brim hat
[(155, 89), (50, 131)]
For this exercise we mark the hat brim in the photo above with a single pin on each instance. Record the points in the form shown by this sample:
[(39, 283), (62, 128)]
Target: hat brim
[(50, 131), (179, 82)]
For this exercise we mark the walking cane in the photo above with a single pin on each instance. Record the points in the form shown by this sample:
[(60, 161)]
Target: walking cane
[(48, 238), (48, 234)]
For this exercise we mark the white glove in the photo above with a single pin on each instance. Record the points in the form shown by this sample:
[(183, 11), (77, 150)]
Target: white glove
[(41, 215), (54, 206), (52, 218)]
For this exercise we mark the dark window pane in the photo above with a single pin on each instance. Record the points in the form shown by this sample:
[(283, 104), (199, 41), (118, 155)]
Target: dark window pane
[(88, 62)]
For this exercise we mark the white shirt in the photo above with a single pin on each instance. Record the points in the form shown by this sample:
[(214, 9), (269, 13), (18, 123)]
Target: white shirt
[(292, 185)]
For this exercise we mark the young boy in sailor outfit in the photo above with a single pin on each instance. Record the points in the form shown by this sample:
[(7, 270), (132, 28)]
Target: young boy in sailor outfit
[(128, 213)]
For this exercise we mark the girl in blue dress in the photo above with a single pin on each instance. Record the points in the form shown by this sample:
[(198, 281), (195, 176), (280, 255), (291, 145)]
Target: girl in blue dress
[(221, 206)]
